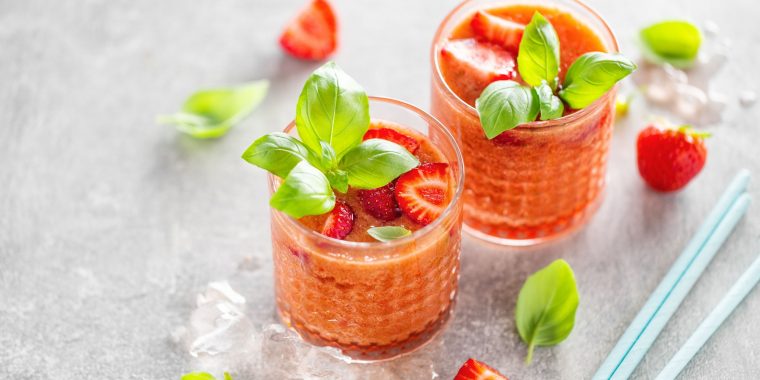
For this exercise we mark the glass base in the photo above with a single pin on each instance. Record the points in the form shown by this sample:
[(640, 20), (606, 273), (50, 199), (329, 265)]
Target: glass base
[(577, 222), (374, 353)]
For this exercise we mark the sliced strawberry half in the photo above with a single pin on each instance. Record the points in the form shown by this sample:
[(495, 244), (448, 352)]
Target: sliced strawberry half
[(497, 30), (340, 222), (421, 192), (313, 34), (471, 65), (475, 370), (410, 143), (380, 202)]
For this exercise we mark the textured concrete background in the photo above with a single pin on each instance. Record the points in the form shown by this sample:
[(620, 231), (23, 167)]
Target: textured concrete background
[(109, 224)]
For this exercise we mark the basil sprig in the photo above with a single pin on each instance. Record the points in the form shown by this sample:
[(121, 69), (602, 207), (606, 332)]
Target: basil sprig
[(546, 306), (211, 113), (332, 117), (504, 105)]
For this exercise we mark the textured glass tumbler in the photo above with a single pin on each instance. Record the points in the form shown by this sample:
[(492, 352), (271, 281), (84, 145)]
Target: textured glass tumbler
[(538, 181), (373, 300)]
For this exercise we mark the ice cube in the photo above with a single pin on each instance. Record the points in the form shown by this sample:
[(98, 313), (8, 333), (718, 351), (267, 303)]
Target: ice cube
[(219, 327), (219, 291), (297, 359), (661, 84), (690, 102)]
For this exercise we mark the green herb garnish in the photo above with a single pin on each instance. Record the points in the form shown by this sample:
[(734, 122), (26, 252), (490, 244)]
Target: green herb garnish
[(504, 105), (550, 106), (674, 42), (388, 233), (203, 376), (211, 113), (538, 56), (591, 76), (332, 117), (545, 312)]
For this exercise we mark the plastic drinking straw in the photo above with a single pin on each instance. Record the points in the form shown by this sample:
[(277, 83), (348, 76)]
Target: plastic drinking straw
[(682, 287), (727, 304), (626, 343)]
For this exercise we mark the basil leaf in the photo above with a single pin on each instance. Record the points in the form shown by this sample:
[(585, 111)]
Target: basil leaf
[(211, 113), (388, 233), (592, 75), (338, 180), (305, 191), (504, 105), (550, 105), (538, 56), (376, 162), (277, 153), (227, 376), (546, 305), (674, 42), (332, 108), (198, 376), (328, 159)]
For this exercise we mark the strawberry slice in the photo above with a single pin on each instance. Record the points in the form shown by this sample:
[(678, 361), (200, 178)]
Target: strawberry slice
[(312, 35), (475, 370), (471, 65), (497, 30), (421, 192), (340, 222), (410, 143), (380, 202)]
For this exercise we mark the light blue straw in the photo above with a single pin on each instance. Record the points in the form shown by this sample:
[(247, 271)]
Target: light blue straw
[(666, 298), (730, 301)]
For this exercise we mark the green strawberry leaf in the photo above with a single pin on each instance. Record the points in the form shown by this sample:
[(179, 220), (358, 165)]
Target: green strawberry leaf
[(305, 191), (332, 108), (376, 162), (592, 75), (504, 105), (546, 306), (538, 56), (211, 113)]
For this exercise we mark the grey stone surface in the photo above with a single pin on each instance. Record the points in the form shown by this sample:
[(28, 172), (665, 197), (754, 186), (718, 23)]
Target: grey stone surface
[(109, 224)]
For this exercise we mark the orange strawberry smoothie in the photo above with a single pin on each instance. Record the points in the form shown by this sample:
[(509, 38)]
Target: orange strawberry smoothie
[(373, 300), (541, 179)]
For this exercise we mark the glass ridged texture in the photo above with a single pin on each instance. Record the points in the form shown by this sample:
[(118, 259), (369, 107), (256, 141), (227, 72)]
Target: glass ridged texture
[(374, 300), (538, 181)]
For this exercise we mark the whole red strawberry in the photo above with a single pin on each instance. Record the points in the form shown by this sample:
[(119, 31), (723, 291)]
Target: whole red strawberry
[(669, 158)]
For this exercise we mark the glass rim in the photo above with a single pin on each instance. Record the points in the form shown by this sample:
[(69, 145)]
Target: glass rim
[(562, 121), (273, 181)]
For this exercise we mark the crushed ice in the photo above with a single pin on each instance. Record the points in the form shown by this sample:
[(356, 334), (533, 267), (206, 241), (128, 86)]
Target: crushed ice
[(686, 92), (221, 337)]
